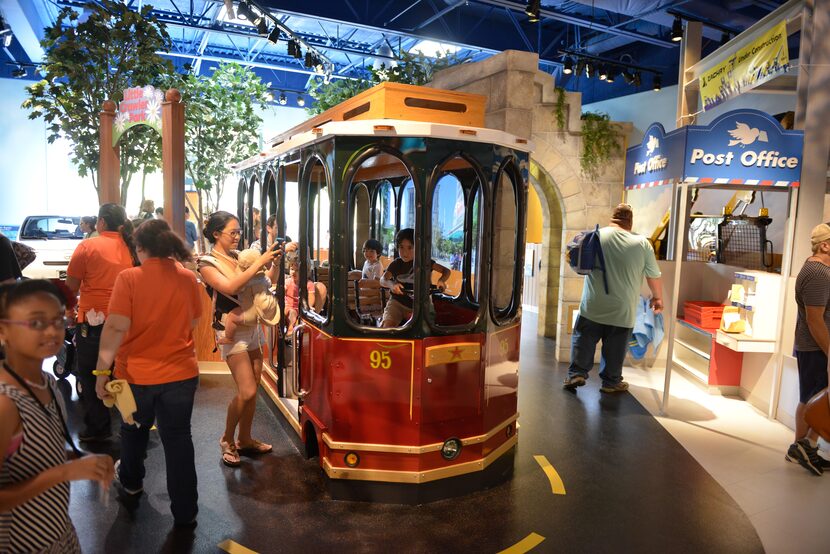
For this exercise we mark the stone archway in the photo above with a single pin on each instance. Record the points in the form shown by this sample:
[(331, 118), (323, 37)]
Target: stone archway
[(521, 100)]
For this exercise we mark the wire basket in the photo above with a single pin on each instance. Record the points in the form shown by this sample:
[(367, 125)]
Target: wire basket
[(742, 242)]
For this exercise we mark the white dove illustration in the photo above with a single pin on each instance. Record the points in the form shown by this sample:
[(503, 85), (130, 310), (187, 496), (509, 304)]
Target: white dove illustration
[(744, 135), (653, 142)]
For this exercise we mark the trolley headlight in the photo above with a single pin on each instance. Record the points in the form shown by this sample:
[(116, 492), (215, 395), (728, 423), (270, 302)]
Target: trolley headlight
[(351, 459), (451, 449)]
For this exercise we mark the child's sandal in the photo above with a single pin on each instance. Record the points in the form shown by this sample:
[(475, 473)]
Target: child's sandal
[(230, 455)]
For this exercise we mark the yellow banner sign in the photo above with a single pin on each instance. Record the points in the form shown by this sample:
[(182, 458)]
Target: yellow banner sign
[(749, 67)]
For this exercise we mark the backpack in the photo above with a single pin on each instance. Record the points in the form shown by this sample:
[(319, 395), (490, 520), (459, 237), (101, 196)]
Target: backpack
[(585, 254)]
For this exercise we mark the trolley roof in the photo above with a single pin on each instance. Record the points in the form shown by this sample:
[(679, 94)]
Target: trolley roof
[(388, 128)]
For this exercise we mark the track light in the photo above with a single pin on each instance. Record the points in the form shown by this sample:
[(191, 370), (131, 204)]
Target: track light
[(603, 73), (300, 100), (244, 11), (655, 83), (677, 29), (309, 60), (283, 100), (589, 69), (262, 26), (580, 67), (274, 35), (568, 66), (229, 9), (611, 74), (532, 10), (19, 72), (7, 39)]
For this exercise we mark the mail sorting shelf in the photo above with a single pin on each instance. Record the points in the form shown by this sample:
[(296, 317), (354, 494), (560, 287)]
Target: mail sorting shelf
[(698, 353)]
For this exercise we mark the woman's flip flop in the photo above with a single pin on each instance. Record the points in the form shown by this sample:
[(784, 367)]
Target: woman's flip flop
[(230, 454), (255, 447)]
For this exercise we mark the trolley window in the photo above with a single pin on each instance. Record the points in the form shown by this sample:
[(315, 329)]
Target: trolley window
[(504, 275), (451, 231), (381, 200), (313, 293), (476, 216)]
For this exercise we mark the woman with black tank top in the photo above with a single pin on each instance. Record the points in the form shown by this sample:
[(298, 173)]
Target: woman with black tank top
[(243, 355)]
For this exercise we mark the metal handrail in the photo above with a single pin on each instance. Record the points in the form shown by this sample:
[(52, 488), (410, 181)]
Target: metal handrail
[(295, 361)]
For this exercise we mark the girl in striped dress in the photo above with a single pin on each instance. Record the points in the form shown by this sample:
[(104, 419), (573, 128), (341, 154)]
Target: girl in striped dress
[(35, 473)]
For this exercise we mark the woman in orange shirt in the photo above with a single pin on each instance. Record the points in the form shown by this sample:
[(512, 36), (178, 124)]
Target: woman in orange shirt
[(92, 270), (152, 313), (244, 354)]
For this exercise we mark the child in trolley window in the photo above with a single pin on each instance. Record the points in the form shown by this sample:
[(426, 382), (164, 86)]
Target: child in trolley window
[(399, 278)]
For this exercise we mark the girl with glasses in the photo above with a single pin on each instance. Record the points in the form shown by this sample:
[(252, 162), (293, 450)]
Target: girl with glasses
[(35, 473)]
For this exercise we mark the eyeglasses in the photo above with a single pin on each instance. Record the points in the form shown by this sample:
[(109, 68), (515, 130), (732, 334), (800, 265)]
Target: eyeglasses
[(236, 233), (38, 324)]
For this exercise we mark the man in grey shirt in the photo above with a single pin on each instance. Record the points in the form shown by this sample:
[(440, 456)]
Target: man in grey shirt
[(609, 317), (812, 339)]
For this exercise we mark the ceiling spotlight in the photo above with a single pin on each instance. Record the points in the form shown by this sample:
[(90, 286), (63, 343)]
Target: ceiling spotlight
[(19, 72), (229, 9), (309, 60), (283, 100), (568, 66), (244, 11), (580, 67), (611, 74), (7, 38), (677, 29), (274, 36), (603, 73), (300, 100), (589, 69), (532, 10), (655, 83), (262, 26)]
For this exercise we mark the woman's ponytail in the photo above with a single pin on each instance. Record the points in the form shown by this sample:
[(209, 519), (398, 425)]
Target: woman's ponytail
[(115, 219), (155, 237)]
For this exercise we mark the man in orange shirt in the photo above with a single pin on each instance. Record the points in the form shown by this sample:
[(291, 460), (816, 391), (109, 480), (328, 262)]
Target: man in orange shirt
[(152, 313), (92, 270)]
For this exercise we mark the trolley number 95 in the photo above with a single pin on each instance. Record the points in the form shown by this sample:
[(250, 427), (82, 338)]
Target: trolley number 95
[(379, 359)]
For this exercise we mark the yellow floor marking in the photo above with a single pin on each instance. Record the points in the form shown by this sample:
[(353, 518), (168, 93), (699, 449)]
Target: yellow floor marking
[(556, 484), (525, 545), (232, 547)]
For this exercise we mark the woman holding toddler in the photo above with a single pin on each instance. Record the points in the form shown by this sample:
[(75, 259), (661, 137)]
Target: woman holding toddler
[(241, 348)]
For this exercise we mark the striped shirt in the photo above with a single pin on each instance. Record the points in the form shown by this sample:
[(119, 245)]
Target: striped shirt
[(41, 524), (812, 288)]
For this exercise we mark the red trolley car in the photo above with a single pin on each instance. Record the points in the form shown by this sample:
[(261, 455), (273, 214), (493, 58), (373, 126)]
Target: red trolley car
[(428, 408)]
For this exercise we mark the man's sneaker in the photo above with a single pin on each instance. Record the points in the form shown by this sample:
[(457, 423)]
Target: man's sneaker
[(803, 453), (572, 382), (622, 386), (131, 492)]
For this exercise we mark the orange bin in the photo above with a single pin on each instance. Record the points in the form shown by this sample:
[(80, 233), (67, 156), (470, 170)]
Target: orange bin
[(703, 313)]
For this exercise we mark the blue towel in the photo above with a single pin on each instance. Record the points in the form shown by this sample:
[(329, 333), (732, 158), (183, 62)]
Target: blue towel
[(648, 328)]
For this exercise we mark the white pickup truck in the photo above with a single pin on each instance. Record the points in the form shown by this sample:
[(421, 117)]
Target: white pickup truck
[(54, 238)]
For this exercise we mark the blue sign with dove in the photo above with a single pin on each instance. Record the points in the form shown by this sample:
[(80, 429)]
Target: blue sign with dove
[(744, 147)]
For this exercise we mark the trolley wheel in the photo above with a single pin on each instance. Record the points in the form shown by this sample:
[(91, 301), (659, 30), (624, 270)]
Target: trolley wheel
[(60, 371)]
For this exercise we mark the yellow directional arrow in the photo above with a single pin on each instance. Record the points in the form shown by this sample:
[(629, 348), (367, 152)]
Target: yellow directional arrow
[(232, 547), (556, 484), (525, 545)]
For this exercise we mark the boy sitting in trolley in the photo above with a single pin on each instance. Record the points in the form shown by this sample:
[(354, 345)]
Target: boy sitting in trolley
[(399, 278)]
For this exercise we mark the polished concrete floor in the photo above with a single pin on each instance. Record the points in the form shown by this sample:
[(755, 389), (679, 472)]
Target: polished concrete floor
[(630, 487)]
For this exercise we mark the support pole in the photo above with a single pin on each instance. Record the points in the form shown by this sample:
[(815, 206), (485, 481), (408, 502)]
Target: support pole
[(172, 145), (109, 167), (687, 97)]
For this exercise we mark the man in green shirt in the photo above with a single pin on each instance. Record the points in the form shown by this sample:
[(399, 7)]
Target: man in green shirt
[(609, 317)]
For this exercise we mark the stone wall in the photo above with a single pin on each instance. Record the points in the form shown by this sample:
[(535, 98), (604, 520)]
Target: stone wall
[(521, 100)]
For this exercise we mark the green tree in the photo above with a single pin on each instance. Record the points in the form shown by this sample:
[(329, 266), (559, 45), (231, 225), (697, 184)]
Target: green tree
[(221, 125), (409, 69), (88, 61)]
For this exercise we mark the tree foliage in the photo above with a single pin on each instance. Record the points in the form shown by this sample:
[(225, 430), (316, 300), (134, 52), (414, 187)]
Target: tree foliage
[(221, 124), (90, 58), (409, 69)]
